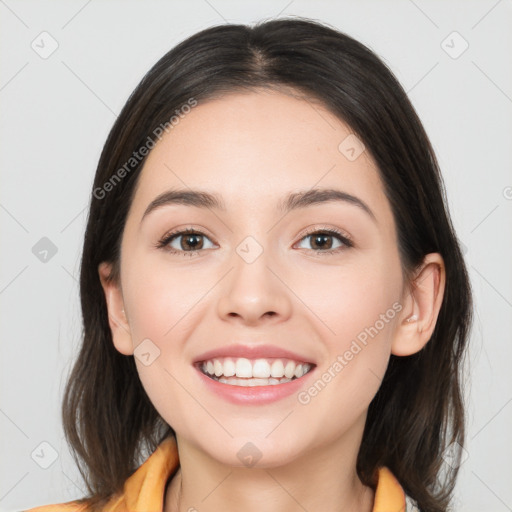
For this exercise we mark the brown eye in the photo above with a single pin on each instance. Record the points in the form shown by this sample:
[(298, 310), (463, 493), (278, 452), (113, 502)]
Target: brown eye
[(324, 241), (321, 241), (186, 242), (191, 242)]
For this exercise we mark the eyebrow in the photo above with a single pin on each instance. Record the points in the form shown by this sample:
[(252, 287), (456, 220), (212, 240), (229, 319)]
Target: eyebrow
[(294, 201)]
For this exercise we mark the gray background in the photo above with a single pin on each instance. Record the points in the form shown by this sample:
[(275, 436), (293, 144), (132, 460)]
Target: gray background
[(58, 110)]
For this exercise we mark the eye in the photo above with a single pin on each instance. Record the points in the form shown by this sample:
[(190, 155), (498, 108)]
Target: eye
[(323, 239), (186, 242), (189, 242)]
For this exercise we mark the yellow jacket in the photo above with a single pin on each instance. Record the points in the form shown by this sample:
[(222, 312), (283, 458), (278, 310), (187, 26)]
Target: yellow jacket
[(144, 490)]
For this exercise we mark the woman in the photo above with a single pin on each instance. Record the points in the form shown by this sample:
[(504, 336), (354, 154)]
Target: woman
[(305, 353)]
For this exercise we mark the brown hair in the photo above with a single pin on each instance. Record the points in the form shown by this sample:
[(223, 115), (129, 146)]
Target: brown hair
[(109, 421)]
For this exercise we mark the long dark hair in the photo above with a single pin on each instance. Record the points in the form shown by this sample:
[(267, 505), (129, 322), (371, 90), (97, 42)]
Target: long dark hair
[(418, 412)]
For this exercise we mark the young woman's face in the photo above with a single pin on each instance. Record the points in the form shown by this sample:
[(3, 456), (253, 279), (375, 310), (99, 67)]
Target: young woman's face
[(256, 274)]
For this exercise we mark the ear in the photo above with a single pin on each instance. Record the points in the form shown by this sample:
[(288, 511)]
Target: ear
[(117, 320), (422, 303)]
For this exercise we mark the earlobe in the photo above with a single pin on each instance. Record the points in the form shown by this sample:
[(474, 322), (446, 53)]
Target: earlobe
[(421, 307), (117, 320)]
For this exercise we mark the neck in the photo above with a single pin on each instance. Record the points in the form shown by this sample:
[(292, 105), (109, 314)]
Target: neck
[(322, 479)]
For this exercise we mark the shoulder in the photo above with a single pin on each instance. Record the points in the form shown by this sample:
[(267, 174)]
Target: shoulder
[(143, 490), (70, 506), (390, 494)]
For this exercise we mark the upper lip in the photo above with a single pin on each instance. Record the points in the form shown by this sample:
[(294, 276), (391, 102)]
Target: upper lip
[(252, 352)]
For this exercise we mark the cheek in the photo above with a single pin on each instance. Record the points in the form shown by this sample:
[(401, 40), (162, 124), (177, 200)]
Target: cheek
[(166, 304), (354, 299), (161, 304), (359, 307), (160, 299)]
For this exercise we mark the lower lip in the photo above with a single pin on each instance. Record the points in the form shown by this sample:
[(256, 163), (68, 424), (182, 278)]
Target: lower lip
[(254, 395)]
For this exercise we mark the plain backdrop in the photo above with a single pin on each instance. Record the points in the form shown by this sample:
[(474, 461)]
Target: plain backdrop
[(67, 69)]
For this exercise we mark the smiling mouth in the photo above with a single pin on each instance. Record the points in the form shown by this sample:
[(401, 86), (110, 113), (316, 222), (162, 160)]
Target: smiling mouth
[(248, 373)]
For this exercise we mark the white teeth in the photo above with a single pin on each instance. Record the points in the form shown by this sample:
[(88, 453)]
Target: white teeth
[(260, 369), (229, 367), (217, 366), (289, 371), (277, 369), (243, 368)]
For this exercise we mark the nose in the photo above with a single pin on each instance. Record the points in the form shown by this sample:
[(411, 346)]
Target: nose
[(254, 293)]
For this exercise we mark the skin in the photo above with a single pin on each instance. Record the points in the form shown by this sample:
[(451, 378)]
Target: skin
[(253, 149)]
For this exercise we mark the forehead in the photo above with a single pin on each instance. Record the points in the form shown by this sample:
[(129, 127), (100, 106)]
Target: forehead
[(256, 147)]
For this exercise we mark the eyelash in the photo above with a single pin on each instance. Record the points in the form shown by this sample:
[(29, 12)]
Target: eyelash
[(164, 242)]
